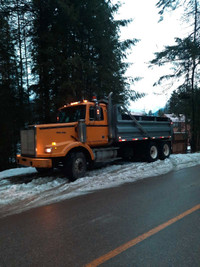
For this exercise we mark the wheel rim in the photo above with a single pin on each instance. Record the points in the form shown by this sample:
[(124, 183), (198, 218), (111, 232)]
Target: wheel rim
[(153, 152), (166, 150)]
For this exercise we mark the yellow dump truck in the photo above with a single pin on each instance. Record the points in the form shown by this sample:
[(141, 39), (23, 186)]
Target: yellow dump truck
[(93, 131)]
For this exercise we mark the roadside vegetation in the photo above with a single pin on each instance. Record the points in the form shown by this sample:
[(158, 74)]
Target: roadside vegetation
[(185, 59)]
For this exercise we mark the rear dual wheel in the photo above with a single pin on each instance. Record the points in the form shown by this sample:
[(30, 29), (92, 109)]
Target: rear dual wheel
[(152, 152), (155, 151), (165, 150)]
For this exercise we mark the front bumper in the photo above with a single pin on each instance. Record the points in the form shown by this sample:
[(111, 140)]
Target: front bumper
[(34, 162)]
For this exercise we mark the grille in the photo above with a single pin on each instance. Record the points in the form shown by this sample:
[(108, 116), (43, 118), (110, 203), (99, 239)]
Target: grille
[(28, 142)]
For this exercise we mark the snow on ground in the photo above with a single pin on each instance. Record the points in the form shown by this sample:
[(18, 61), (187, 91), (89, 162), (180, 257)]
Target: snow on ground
[(16, 171), (17, 197)]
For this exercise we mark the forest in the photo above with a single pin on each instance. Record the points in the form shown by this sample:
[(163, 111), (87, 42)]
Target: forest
[(55, 51)]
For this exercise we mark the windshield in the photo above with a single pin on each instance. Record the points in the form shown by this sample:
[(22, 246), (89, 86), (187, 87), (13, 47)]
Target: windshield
[(72, 114)]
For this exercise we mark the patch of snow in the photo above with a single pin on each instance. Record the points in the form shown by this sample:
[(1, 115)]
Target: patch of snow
[(18, 197), (17, 171)]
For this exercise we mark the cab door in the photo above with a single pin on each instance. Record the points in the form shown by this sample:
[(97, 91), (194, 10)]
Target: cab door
[(97, 126)]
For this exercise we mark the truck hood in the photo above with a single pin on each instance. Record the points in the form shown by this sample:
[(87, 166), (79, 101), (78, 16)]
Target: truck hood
[(54, 135)]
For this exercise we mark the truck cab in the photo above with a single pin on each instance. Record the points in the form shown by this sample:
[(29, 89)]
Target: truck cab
[(94, 116), (80, 127)]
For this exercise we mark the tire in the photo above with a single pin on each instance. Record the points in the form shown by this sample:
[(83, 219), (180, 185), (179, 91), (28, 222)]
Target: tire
[(75, 166), (152, 152), (165, 151)]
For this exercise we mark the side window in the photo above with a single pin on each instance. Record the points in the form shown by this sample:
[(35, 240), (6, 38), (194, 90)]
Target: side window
[(96, 114)]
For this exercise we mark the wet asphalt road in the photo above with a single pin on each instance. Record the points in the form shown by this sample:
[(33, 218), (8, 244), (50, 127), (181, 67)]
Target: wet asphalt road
[(79, 230)]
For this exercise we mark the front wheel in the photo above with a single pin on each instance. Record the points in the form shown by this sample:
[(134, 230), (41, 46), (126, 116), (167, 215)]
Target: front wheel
[(75, 165)]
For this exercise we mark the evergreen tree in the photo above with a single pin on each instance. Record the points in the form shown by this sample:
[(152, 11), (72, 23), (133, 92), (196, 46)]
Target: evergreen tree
[(76, 52), (180, 102), (8, 95), (150, 113), (185, 58)]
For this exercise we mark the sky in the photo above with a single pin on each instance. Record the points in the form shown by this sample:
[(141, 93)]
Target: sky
[(153, 37)]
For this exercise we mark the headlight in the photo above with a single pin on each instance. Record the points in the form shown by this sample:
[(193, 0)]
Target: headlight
[(48, 150)]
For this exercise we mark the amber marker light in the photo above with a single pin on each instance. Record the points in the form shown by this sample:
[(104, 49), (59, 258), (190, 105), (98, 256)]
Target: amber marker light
[(74, 103)]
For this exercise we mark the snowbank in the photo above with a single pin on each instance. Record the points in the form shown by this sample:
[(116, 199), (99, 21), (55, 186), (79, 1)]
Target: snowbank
[(16, 171), (15, 198)]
